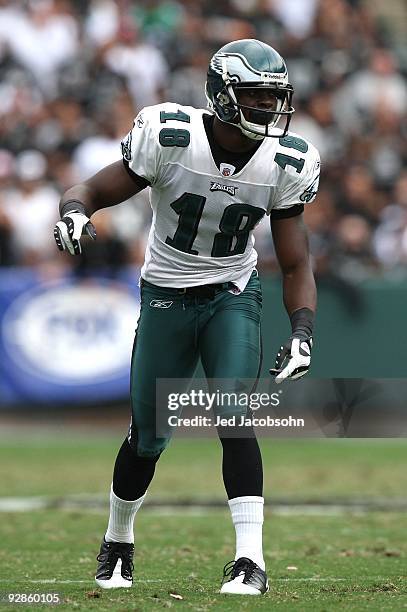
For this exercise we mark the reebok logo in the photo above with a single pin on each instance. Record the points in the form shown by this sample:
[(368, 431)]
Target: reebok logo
[(160, 304), (230, 189)]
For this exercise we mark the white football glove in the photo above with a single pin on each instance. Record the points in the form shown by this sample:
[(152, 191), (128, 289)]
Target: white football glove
[(70, 228), (293, 359)]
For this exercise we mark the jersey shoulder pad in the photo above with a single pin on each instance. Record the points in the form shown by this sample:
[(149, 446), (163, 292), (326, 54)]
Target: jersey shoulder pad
[(296, 155), (160, 135), (174, 126), (170, 115), (299, 164)]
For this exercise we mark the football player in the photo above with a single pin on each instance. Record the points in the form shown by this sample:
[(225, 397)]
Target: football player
[(213, 177)]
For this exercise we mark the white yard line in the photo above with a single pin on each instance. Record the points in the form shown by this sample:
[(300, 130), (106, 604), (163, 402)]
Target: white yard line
[(22, 504)]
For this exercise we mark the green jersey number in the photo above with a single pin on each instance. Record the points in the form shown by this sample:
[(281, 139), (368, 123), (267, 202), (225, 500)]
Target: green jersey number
[(235, 226), (237, 220), (291, 142), (189, 208), (172, 137), (178, 116)]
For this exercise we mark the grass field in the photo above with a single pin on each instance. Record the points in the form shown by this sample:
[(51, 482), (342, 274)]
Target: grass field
[(340, 559)]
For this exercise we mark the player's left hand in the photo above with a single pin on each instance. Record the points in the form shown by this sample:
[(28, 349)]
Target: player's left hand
[(70, 228), (293, 359)]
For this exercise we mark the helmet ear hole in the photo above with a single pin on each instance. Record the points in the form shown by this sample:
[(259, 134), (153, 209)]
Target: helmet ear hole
[(223, 98)]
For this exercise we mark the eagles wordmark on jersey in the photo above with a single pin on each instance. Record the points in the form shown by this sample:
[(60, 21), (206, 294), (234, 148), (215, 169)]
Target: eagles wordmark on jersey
[(204, 215)]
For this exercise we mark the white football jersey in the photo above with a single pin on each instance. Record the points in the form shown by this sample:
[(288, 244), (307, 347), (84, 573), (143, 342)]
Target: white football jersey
[(203, 217)]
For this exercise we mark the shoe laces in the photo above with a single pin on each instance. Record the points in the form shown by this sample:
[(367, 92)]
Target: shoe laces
[(236, 567), (116, 551)]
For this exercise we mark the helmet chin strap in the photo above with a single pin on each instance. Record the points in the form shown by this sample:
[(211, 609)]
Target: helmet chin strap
[(249, 133), (255, 131)]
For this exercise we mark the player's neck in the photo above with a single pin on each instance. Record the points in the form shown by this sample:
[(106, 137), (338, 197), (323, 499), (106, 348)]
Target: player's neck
[(231, 138)]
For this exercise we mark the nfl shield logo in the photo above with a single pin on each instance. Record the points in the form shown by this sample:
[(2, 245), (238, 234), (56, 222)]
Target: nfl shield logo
[(227, 169)]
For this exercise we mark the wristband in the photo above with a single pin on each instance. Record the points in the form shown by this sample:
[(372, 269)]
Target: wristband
[(72, 206), (302, 323)]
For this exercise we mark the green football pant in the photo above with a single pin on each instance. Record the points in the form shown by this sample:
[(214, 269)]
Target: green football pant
[(175, 331)]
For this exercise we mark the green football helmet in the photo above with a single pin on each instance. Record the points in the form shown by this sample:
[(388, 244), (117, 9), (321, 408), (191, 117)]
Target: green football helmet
[(249, 63)]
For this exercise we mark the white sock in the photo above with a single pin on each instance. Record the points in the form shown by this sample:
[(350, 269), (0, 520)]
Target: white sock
[(247, 517), (121, 519)]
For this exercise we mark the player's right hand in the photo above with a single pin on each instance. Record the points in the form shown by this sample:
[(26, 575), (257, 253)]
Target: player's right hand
[(70, 228)]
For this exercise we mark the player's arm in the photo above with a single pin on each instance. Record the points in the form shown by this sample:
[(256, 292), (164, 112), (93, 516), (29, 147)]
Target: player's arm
[(291, 245), (112, 185), (299, 293)]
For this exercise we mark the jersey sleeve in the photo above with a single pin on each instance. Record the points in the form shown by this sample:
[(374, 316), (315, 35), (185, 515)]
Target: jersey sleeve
[(140, 150), (295, 188)]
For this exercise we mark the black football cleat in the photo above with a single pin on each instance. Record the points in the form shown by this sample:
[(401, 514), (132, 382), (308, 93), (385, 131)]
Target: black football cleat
[(115, 568), (245, 578)]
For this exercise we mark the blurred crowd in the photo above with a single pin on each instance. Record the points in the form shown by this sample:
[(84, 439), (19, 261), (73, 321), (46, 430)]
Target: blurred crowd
[(75, 73)]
